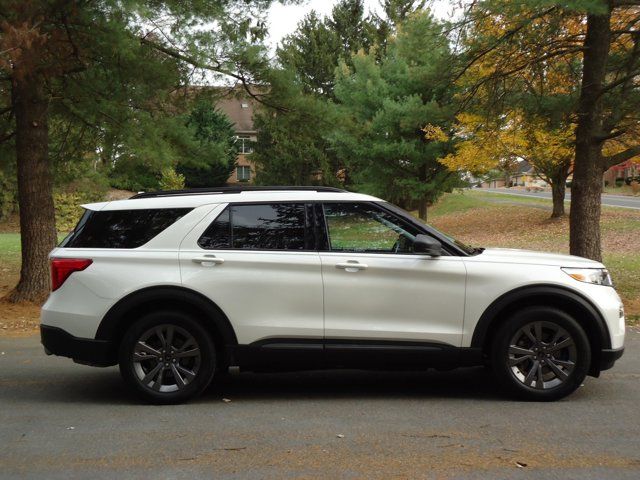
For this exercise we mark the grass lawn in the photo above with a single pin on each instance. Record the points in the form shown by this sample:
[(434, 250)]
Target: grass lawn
[(9, 251)]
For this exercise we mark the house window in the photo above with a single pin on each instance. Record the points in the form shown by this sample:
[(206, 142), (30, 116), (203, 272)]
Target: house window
[(245, 144), (243, 173)]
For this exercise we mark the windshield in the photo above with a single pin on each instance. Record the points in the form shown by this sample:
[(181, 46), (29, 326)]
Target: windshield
[(462, 246)]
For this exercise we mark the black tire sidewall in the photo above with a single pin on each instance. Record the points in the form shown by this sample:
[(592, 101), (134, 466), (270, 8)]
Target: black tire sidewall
[(205, 343), (499, 353)]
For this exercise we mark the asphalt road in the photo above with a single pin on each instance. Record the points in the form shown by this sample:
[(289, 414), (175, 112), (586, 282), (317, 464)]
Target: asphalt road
[(61, 420), (624, 201)]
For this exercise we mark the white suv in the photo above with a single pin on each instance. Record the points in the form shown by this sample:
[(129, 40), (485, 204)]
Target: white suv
[(176, 286)]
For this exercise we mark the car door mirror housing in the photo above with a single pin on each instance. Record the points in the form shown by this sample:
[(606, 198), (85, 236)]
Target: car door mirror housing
[(427, 245)]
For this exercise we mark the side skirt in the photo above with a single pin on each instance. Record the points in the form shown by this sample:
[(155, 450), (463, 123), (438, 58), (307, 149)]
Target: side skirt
[(291, 354)]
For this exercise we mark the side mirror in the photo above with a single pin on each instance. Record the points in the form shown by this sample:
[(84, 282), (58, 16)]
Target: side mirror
[(428, 245)]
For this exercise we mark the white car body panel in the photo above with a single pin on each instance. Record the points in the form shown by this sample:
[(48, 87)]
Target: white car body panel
[(83, 300), (496, 272), (397, 297)]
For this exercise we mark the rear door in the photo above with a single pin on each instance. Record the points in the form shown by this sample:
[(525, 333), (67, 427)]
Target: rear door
[(259, 264), (377, 291)]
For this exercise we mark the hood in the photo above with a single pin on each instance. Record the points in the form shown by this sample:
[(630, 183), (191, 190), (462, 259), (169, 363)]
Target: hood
[(528, 257)]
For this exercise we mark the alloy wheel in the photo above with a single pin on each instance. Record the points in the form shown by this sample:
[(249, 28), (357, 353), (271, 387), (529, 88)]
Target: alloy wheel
[(542, 355), (166, 358)]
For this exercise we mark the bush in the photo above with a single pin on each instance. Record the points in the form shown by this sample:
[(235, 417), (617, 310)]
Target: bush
[(68, 209), (68, 199), (171, 180), (619, 182)]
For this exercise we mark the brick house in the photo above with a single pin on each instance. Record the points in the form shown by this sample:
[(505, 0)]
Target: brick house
[(630, 168), (239, 107)]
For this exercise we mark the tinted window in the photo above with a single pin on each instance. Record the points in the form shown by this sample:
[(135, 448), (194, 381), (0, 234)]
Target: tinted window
[(279, 226), (218, 235), (358, 227), (121, 228)]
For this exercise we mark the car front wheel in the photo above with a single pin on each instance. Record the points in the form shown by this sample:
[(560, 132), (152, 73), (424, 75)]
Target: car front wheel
[(541, 353), (167, 357)]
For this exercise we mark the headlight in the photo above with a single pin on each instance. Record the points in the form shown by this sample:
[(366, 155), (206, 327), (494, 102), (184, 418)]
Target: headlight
[(597, 276)]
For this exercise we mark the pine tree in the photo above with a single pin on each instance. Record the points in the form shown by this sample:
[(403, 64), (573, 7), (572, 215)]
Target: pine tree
[(211, 159), (108, 66), (398, 114)]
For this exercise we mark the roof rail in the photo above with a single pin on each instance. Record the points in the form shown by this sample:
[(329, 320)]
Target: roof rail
[(227, 190)]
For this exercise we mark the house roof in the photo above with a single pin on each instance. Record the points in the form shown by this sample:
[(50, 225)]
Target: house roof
[(524, 167), (239, 108)]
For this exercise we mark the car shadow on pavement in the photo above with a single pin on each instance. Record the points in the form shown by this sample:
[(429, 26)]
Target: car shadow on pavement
[(468, 383), (105, 386)]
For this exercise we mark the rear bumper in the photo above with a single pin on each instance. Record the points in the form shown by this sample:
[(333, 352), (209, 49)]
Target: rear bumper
[(57, 341), (609, 356)]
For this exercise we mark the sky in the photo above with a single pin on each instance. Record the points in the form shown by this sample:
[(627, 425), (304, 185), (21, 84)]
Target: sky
[(284, 19)]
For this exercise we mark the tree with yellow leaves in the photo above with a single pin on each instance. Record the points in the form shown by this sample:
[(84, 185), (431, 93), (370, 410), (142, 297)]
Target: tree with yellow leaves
[(512, 47), (500, 143)]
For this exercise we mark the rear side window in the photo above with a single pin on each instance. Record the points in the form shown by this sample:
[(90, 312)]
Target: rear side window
[(121, 228), (279, 226)]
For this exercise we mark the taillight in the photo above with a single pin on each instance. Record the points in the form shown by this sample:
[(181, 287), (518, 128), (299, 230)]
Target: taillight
[(61, 268)]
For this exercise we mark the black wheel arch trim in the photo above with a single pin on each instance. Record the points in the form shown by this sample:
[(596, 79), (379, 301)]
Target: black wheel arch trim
[(110, 327), (499, 305)]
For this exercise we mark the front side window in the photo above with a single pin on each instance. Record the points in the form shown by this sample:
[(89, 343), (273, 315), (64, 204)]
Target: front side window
[(359, 227), (121, 228), (280, 226)]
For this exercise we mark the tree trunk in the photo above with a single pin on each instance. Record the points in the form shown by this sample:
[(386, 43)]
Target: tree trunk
[(586, 189), (558, 189), (584, 238), (35, 196), (423, 174), (422, 209)]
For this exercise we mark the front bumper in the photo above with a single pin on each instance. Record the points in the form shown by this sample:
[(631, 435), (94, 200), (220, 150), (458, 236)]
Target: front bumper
[(88, 351), (608, 357)]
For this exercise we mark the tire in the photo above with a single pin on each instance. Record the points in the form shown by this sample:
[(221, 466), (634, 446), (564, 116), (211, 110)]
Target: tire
[(167, 375), (541, 354)]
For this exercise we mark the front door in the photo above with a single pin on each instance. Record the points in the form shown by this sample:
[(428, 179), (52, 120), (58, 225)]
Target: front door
[(377, 291)]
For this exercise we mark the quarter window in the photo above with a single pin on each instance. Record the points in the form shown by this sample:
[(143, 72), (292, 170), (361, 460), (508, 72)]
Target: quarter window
[(281, 226), (121, 228), (359, 227)]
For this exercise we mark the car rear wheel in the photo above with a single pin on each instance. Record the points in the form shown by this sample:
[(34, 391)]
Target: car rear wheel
[(541, 353), (167, 357)]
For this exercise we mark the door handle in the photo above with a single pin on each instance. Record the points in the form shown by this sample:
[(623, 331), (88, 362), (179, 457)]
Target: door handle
[(208, 260), (352, 266)]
